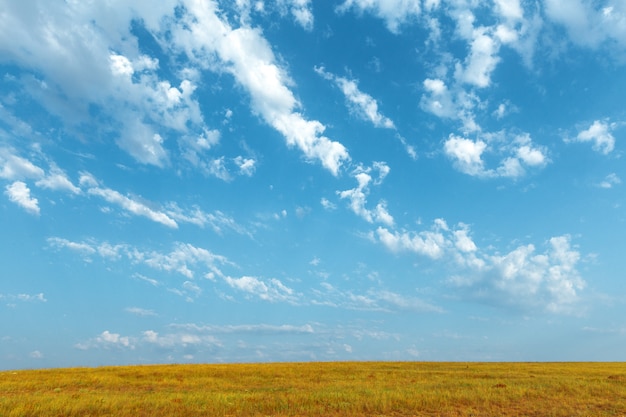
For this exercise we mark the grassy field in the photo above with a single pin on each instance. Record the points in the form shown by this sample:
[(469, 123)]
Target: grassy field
[(320, 389)]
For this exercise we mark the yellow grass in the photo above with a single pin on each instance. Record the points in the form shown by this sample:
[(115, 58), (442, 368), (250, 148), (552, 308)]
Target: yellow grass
[(320, 389)]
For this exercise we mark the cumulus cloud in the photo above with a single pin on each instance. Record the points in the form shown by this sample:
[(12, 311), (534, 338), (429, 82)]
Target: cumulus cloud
[(516, 154), (108, 340), (19, 193), (430, 243), (101, 67), (522, 278), (600, 135), (466, 154), (92, 61), (438, 99)]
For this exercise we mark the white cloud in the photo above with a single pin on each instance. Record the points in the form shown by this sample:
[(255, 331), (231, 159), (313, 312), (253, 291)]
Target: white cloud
[(610, 181), (463, 242), (247, 166), (247, 55), (394, 12), (481, 61), (271, 290), (132, 206), (216, 220), (19, 193), (194, 147), (100, 64), (247, 328), (57, 180), (599, 133), (301, 12), (521, 278), (181, 259), (403, 302), (549, 278), (173, 340), (516, 154), (141, 312), (69, 45), (372, 300), (358, 195), (184, 258), (590, 23), (466, 155), (509, 9), (431, 244), (35, 354), (107, 340), (82, 247), (364, 105), (327, 204), (438, 101), (29, 298), (15, 167)]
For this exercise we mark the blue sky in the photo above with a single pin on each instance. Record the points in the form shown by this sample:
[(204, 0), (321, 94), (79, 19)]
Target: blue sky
[(296, 180)]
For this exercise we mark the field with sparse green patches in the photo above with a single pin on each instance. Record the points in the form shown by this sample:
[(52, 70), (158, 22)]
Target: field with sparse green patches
[(320, 389)]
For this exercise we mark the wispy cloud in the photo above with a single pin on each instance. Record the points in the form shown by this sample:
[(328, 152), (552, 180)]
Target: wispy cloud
[(358, 195), (185, 259), (610, 181), (23, 297), (141, 312), (374, 299), (362, 104), (272, 290)]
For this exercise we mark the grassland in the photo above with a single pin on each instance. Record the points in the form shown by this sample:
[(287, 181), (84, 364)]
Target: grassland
[(320, 389)]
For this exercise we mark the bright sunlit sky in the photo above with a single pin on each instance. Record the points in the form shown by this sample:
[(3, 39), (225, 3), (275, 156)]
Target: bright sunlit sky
[(301, 180)]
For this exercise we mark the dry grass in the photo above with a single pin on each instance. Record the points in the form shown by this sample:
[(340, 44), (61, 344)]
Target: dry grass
[(320, 389)]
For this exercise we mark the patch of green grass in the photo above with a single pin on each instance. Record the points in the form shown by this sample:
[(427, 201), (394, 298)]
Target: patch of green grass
[(320, 389)]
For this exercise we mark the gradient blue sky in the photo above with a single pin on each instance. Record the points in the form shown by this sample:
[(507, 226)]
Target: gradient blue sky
[(297, 180)]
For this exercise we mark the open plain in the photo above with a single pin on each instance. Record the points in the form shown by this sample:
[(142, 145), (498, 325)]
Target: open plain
[(319, 389)]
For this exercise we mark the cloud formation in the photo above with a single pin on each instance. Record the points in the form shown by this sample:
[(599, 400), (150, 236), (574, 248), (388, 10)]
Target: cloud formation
[(521, 278), (599, 134), (19, 193)]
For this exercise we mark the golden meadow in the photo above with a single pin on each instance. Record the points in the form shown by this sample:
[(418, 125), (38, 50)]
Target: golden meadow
[(320, 389)]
